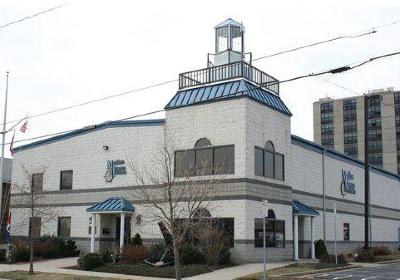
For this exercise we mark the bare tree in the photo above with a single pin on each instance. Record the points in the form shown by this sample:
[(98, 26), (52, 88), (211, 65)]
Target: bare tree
[(30, 195), (173, 200)]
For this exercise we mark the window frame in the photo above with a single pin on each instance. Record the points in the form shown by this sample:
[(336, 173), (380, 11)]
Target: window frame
[(273, 160), (212, 148), (256, 245), (33, 181), (348, 231), (59, 226), (61, 180)]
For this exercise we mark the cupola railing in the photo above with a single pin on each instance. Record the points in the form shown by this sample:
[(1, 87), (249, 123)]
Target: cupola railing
[(239, 69)]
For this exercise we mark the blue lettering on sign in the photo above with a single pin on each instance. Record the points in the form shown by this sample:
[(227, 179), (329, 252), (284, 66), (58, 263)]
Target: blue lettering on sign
[(347, 186)]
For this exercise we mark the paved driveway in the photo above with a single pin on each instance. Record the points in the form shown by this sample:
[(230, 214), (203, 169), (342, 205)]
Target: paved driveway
[(385, 272)]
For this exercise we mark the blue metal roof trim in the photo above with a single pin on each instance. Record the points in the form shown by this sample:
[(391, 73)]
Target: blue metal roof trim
[(231, 89), (229, 21), (113, 204), (302, 209), (81, 131), (296, 140)]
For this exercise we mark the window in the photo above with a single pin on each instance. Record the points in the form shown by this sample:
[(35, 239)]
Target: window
[(327, 128), (374, 101), (268, 163), (375, 147), (374, 135), (397, 121), (274, 233), (350, 126), (222, 39), (374, 112), (397, 97), (35, 226), (375, 159), (236, 39), (346, 231), (351, 149), (64, 227), (327, 139), (205, 159), (37, 181), (326, 118), (350, 138), (326, 107), (349, 104), (374, 123), (349, 115), (66, 180)]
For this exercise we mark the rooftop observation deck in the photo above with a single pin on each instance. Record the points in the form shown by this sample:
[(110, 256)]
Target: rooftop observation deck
[(234, 70)]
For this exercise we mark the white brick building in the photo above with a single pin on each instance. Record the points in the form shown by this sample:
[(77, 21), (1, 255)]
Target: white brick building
[(237, 107)]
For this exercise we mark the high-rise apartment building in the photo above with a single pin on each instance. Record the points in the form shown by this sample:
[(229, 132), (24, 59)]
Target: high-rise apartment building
[(339, 125)]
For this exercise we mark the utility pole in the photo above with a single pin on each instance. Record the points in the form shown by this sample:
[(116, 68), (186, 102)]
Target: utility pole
[(2, 151), (366, 173)]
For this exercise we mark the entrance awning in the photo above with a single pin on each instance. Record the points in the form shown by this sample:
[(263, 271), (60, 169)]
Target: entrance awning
[(300, 209), (112, 205)]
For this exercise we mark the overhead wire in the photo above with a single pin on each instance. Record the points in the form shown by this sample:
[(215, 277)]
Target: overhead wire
[(32, 16), (332, 71)]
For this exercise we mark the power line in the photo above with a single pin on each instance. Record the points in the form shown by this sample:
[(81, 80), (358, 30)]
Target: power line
[(333, 71), (97, 100), (351, 36), (71, 130), (32, 16), (171, 81)]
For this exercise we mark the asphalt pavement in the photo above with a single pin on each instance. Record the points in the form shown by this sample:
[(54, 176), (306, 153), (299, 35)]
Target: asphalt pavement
[(384, 272)]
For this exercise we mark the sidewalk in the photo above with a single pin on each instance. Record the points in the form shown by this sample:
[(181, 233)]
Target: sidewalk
[(56, 266)]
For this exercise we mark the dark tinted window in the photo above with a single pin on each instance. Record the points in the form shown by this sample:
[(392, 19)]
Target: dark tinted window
[(268, 164), (66, 180), (274, 233), (203, 142), (279, 167), (258, 162), (224, 160), (184, 163), (64, 227), (37, 181), (204, 162)]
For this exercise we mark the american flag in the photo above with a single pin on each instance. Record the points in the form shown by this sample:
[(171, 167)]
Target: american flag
[(24, 127), (12, 145), (8, 228)]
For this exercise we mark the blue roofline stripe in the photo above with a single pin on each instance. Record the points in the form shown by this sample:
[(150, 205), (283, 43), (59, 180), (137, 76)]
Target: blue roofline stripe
[(296, 140), (82, 131)]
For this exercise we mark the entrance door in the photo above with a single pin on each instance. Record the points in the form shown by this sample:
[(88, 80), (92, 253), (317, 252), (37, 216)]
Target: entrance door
[(127, 231)]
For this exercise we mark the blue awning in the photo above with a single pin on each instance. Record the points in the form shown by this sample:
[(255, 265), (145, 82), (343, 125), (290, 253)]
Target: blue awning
[(112, 205), (301, 209)]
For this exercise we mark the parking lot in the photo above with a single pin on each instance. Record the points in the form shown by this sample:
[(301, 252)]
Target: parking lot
[(384, 272)]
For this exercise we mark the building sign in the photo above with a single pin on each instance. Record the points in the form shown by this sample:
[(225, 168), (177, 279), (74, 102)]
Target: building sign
[(114, 167), (347, 186)]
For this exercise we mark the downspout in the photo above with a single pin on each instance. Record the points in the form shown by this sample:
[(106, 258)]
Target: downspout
[(323, 193)]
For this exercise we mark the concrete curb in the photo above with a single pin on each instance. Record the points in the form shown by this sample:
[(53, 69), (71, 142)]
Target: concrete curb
[(294, 275), (387, 262)]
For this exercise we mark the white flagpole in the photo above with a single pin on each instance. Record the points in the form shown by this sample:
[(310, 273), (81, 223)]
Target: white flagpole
[(2, 151)]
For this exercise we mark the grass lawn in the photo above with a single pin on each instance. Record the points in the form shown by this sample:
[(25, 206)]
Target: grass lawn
[(387, 258), (292, 268), (22, 275), (166, 272)]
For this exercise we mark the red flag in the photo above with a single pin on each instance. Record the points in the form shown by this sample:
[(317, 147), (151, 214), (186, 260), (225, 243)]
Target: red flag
[(24, 127), (12, 144)]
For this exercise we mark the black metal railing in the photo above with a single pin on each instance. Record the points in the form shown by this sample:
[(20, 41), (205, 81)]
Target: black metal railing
[(228, 71)]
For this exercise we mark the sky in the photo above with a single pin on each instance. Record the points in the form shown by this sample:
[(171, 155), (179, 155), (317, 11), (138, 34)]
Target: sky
[(87, 50)]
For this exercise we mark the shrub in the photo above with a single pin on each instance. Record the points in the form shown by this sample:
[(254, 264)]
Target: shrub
[(92, 261), (225, 256), (134, 254), (156, 252), (190, 254), (320, 249), (106, 256), (22, 254), (341, 259), (70, 249), (2, 255), (51, 252), (136, 240), (365, 256), (381, 251)]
